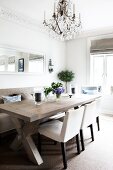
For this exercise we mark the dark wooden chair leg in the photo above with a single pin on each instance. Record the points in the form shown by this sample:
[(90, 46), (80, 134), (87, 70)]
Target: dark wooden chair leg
[(98, 123), (92, 134), (63, 147), (78, 143), (55, 142), (39, 142), (82, 139)]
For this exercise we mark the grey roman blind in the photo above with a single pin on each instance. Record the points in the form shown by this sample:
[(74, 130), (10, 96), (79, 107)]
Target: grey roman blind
[(102, 46)]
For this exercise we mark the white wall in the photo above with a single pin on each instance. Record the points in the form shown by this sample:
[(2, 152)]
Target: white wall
[(24, 38), (76, 53)]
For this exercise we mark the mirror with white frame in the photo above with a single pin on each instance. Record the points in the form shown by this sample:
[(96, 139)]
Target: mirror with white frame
[(14, 61)]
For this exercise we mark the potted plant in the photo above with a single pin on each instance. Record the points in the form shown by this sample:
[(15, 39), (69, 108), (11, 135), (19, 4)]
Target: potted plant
[(66, 76), (57, 89)]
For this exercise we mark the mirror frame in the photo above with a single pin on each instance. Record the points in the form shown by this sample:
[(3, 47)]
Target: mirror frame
[(26, 71)]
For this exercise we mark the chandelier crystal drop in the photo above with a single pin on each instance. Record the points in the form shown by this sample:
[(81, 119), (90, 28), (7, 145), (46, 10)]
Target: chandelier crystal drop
[(64, 24)]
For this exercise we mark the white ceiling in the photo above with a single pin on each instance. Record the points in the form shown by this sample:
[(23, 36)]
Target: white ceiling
[(95, 14)]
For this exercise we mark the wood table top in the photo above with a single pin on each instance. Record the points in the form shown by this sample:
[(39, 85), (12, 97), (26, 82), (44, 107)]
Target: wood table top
[(27, 110)]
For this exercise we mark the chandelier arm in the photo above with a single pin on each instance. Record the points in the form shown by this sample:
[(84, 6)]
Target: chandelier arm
[(58, 26), (71, 18), (67, 15), (52, 27)]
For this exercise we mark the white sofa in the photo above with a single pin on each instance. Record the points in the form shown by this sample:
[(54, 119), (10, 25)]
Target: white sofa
[(5, 120)]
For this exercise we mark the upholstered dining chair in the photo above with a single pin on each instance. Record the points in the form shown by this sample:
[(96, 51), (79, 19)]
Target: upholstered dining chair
[(64, 131), (90, 113), (98, 112)]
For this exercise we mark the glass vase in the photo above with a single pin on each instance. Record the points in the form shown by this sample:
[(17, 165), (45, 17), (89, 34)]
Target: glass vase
[(58, 97), (46, 98)]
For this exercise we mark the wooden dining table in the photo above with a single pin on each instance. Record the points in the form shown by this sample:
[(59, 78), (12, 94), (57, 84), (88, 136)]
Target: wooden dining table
[(27, 115)]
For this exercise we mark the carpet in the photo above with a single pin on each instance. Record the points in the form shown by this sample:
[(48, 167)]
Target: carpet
[(98, 155)]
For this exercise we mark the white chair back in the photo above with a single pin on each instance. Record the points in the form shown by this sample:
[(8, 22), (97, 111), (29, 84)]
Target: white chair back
[(89, 114), (72, 123)]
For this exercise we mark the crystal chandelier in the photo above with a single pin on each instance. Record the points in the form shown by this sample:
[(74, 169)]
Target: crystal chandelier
[(64, 24)]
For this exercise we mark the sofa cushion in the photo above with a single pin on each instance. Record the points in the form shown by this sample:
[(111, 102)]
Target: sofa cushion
[(26, 96), (11, 99)]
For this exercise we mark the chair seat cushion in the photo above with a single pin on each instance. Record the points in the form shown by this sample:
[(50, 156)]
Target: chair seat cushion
[(26, 96), (52, 130)]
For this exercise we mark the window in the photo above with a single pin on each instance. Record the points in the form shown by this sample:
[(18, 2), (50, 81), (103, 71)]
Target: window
[(102, 71)]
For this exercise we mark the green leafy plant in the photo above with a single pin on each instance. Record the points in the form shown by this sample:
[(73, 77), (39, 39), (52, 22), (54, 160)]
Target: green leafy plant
[(66, 76), (54, 88), (56, 85), (47, 90)]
